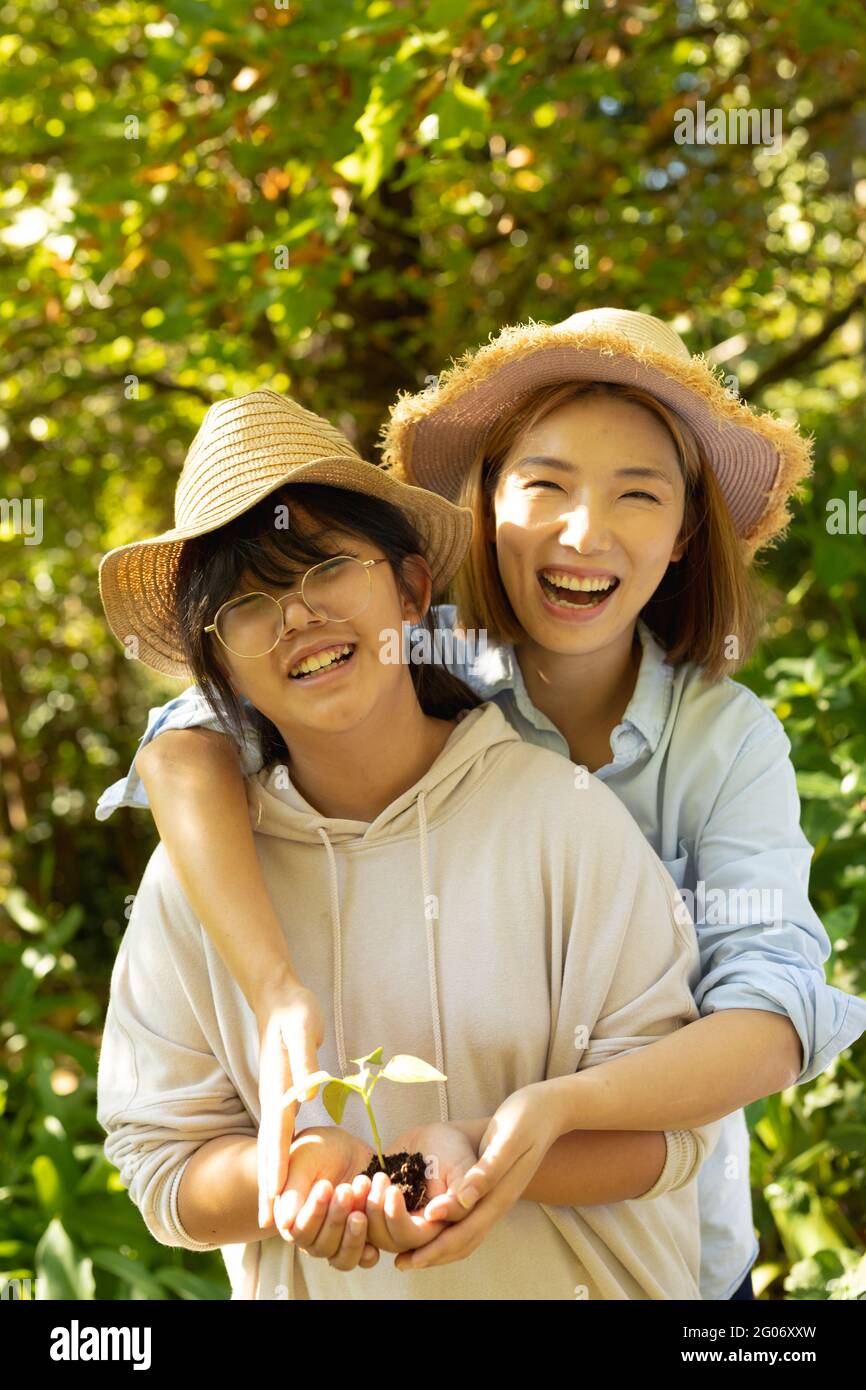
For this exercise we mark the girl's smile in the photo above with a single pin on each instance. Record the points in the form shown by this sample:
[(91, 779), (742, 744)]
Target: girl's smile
[(329, 662)]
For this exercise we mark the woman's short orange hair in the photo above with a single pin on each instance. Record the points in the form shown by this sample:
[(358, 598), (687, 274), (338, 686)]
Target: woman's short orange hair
[(704, 600)]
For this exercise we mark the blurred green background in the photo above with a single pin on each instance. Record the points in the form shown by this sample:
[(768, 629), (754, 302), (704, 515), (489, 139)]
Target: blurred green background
[(332, 200)]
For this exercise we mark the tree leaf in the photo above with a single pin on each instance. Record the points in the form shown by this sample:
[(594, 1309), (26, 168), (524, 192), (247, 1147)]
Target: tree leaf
[(132, 1272), (64, 1274)]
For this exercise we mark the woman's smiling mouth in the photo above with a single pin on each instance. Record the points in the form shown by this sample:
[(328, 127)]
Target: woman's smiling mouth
[(575, 596)]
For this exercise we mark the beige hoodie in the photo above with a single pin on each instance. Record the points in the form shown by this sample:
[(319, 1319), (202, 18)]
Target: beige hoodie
[(500, 919)]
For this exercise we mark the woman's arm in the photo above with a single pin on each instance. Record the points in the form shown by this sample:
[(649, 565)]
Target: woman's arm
[(762, 945), (584, 1168), (702, 1072), (196, 793)]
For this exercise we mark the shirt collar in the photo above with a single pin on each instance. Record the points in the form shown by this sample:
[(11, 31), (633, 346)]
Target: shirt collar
[(497, 669), (650, 704)]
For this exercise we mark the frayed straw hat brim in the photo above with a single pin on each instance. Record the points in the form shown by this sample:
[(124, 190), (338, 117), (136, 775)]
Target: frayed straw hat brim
[(247, 447), (433, 436)]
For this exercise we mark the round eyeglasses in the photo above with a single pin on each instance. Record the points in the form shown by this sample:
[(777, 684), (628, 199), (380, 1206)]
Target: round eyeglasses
[(337, 590)]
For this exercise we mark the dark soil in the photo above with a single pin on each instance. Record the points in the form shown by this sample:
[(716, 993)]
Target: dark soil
[(405, 1171)]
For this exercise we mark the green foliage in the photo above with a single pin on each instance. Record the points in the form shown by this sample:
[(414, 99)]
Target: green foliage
[(333, 200), (64, 1218)]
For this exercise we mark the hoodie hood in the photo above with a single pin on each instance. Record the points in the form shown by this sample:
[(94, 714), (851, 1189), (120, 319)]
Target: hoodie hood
[(279, 810), (277, 807)]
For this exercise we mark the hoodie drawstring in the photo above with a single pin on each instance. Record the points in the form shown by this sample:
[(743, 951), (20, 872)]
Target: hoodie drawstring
[(431, 915), (337, 957)]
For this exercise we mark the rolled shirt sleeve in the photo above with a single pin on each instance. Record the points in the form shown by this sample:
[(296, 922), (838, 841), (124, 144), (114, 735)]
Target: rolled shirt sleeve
[(161, 1091), (186, 711), (761, 943)]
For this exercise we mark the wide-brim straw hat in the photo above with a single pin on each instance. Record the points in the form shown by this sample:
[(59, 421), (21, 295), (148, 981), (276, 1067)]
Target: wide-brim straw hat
[(245, 448), (433, 436)]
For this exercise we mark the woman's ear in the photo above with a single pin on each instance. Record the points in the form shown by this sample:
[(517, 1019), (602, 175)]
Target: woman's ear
[(678, 552), (419, 581)]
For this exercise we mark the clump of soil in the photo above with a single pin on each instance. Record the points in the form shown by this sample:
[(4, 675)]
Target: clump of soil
[(406, 1171)]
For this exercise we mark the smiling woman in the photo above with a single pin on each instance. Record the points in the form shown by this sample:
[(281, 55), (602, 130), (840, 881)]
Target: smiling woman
[(678, 561), (636, 688)]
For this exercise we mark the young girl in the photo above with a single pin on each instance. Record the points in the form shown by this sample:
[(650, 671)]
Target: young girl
[(660, 493), (382, 828)]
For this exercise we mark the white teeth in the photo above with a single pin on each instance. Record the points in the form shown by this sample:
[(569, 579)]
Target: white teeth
[(571, 581), (318, 660)]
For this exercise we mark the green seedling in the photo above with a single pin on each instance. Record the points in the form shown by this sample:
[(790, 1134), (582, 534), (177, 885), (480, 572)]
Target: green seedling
[(401, 1067)]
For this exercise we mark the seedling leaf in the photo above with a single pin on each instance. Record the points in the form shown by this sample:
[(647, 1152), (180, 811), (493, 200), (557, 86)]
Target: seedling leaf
[(371, 1057), (334, 1098), (402, 1067), (314, 1079)]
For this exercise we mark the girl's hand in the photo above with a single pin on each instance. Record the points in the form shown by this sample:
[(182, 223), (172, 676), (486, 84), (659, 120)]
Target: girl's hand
[(291, 1029), (321, 1209), (448, 1155), (511, 1150)]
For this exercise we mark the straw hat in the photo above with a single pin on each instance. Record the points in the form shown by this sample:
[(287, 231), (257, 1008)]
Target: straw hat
[(433, 436), (246, 447)]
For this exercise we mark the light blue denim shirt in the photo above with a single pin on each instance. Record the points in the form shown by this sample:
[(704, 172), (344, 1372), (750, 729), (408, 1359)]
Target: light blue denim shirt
[(705, 771)]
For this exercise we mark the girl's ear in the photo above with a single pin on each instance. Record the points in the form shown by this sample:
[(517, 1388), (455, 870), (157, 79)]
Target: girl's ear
[(419, 580), (678, 552)]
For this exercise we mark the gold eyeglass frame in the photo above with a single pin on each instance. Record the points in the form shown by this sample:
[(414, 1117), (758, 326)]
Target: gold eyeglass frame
[(254, 593)]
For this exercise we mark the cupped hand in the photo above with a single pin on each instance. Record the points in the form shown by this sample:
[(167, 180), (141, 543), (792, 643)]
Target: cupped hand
[(321, 1209), (448, 1156), (291, 1028), (511, 1149)]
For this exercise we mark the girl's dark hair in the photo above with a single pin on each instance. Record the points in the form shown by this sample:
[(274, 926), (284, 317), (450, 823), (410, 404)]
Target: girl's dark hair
[(210, 568)]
